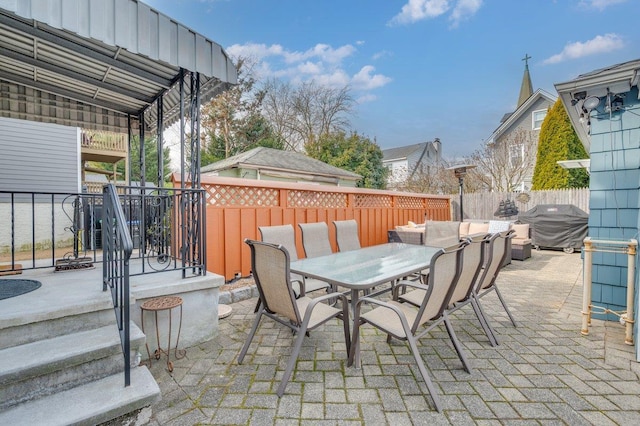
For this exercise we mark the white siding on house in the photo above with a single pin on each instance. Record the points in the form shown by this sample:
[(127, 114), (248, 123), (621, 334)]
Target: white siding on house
[(38, 157)]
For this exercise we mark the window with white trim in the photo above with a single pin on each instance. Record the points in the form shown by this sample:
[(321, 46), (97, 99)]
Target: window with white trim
[(537, 117)]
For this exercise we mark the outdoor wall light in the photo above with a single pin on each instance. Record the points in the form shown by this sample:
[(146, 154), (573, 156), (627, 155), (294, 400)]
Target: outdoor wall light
[(590, 104)]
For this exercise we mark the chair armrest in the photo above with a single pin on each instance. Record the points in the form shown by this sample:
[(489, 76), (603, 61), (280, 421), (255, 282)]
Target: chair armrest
[(403, 284)]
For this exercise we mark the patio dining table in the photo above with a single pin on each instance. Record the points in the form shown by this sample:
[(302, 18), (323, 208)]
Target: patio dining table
[(365, 268)]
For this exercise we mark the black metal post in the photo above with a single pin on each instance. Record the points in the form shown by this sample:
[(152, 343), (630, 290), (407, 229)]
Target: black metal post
[(461, 181)]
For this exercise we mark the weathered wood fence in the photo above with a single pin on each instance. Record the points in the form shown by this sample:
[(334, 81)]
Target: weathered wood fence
[(483, 205), (237, 207)]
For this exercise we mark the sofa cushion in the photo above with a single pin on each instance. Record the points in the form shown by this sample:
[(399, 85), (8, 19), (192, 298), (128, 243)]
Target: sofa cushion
[(496, 226), (405, 228), (478, 228), (521, 234)]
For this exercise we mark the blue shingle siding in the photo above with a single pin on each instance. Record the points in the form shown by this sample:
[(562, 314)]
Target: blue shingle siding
[(614, 200), (38, 157)]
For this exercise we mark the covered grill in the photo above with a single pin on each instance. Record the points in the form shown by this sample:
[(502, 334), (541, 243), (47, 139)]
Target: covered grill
[(562, 226)]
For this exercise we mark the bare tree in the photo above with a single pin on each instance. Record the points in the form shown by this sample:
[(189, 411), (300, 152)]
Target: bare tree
[(504, 164), (278, 108), (430, 179), (301, 115), (226, 115)]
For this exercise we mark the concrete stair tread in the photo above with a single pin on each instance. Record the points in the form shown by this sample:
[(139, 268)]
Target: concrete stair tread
[(89, 404), (41, 357)]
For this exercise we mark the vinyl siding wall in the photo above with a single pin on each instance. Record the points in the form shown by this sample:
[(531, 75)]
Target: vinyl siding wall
[(38, 157), (614, 201)]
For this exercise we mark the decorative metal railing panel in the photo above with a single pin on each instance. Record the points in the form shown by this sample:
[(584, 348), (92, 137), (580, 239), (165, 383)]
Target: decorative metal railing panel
[(64, 231), (117, 248)]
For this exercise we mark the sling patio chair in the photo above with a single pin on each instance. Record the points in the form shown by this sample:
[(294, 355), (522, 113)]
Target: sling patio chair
[(472, 261), (315, 239), (441, 233), (286, 237), (347, 234), (270, 267), (496, 251), (407, 322)]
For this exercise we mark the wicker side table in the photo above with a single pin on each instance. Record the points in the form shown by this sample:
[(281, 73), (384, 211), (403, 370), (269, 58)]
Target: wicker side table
[(165, 303)]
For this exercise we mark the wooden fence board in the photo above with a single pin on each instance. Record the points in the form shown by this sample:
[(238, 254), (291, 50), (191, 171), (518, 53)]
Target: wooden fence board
[(483, 205), (237, 207)]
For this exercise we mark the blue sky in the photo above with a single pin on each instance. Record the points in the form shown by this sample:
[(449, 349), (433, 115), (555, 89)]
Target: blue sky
[(421, 69)]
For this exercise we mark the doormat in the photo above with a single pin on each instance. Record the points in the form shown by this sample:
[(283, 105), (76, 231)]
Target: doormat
[(16, 287)]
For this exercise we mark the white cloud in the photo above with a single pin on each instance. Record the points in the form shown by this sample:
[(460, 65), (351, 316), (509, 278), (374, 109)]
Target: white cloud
[(366, 98), (418, 10), (599, 44), (308, 67), (464, 9), (600, 4), (321, 63), (337, 78), (366, 80), (381, 54), (254, 50)]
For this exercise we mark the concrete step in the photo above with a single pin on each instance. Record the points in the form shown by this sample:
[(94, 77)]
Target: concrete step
[(34, 369), (90, 404), (65, 304)]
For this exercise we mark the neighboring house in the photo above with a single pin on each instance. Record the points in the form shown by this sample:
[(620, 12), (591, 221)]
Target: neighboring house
[(405, 161), (521, 128), (68, 151), (604, 108), (288, 166)]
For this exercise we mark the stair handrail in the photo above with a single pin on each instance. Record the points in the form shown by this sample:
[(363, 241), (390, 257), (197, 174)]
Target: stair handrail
[(117, 247)]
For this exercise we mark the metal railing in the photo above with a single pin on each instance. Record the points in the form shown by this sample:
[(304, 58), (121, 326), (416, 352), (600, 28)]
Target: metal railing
[(118, 247), (62, 230)]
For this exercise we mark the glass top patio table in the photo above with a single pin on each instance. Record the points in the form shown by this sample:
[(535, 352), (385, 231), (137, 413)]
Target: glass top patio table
[(367, 267)]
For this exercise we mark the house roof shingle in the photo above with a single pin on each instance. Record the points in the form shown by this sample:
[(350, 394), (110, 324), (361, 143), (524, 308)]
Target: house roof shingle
[(275, 159), (402, 152)]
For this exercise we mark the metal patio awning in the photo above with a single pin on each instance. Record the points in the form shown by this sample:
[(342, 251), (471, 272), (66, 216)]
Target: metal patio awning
[(92, 63)]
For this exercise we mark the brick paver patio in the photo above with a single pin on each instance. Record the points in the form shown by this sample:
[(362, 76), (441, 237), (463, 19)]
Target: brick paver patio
[(543, 372)]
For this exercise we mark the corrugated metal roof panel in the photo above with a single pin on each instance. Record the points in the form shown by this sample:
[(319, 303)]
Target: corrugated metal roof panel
[(118, 55)]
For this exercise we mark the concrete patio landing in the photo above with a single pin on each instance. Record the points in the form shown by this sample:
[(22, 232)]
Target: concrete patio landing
[(543, 372)]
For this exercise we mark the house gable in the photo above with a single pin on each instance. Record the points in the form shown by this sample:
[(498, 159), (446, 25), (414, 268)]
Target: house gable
[(524, 124), (403, 161), (522, 118)]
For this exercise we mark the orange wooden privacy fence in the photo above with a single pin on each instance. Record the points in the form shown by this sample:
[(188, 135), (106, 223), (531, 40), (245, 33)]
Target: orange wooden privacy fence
[(237, 207)]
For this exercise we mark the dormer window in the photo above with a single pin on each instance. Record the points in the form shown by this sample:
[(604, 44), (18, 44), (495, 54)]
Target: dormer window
[(537, 117)]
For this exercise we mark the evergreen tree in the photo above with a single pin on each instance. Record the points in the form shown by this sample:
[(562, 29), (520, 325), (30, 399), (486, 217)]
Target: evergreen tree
[(150, 158), (558, 141), (355, 153)]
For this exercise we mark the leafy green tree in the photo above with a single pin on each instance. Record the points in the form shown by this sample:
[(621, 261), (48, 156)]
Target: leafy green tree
[(558, 141), (355, 153), (150, 158)]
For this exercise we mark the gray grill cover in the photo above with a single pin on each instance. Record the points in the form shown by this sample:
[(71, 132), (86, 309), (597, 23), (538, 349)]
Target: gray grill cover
[(556, 225)]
